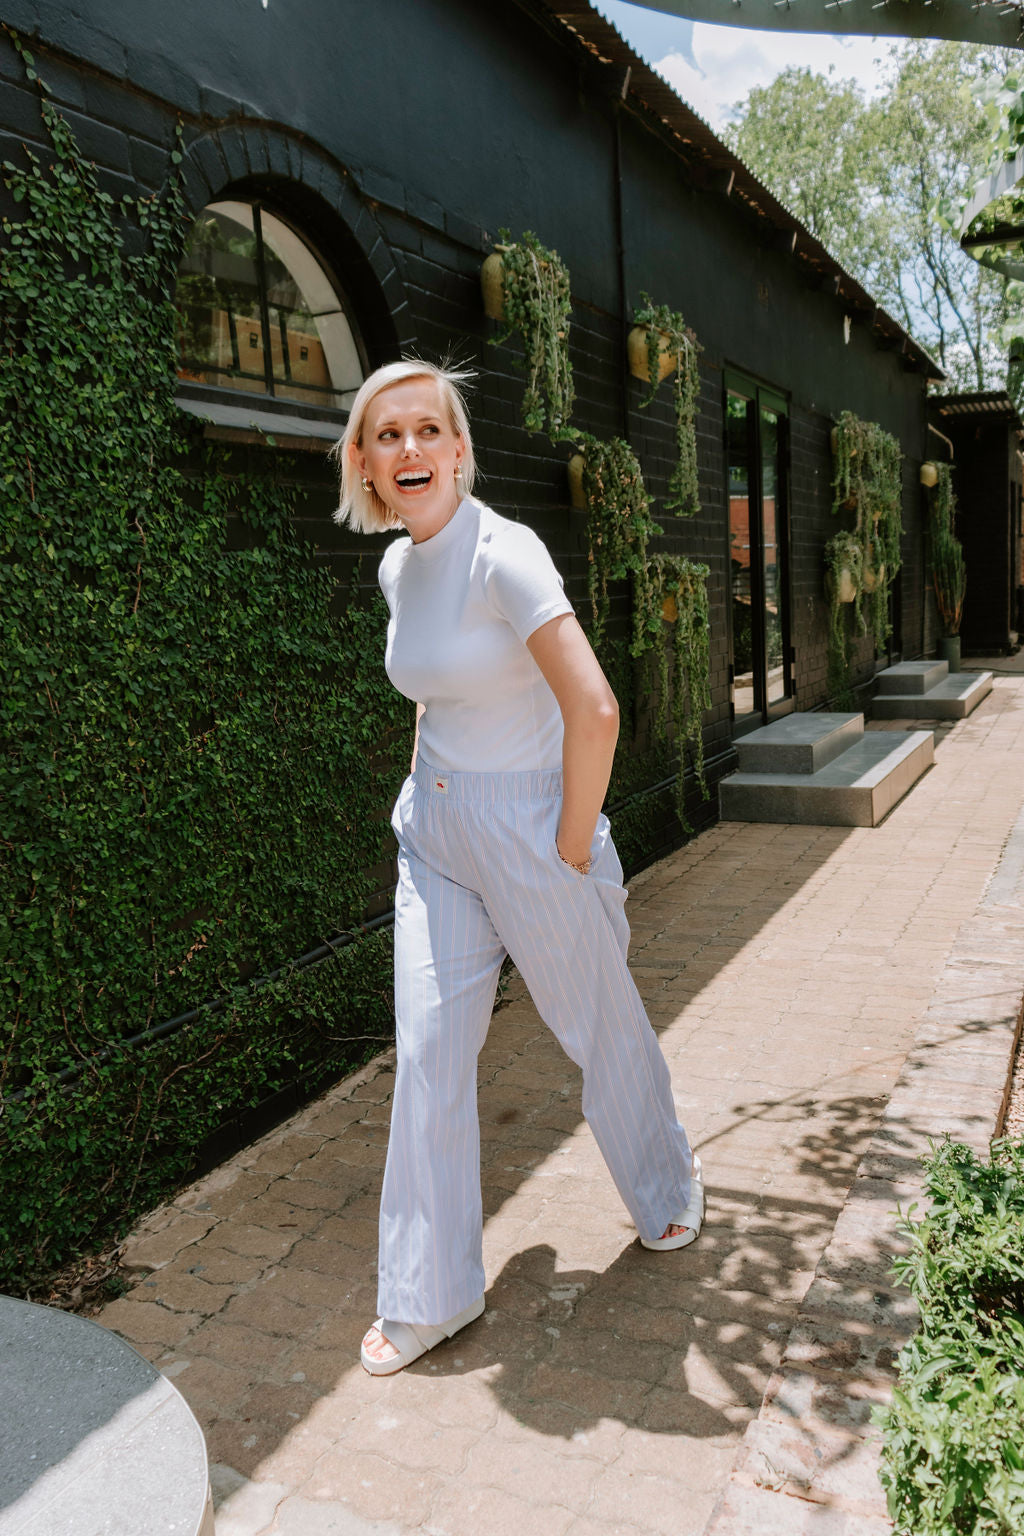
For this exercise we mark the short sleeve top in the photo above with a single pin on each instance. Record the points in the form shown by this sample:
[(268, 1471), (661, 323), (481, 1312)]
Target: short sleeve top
[(462, 606)]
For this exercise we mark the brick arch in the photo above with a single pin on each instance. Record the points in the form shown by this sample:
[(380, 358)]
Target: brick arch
[(246, 158)]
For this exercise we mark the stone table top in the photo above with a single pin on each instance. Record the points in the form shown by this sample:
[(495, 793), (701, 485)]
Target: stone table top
[(95, 1442)]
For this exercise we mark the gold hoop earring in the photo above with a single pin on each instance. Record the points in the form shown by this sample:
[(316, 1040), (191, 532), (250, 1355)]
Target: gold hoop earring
[(366, 484)]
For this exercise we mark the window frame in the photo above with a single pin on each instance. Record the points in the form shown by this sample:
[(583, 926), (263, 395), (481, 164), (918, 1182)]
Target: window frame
[(239, 415)]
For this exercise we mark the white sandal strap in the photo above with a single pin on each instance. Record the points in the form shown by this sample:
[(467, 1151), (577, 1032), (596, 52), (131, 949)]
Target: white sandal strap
[(410, 1339)]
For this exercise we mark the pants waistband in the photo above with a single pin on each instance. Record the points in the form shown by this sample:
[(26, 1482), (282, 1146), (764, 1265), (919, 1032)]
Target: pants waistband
[(488, 788)]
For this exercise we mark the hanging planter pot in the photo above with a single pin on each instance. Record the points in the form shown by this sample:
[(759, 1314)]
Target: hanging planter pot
[(669, 608), (492, 282), (639, 357), (872, 576), (845, 585), (929, 474), (834, 438), (844, 569), (575, 471)]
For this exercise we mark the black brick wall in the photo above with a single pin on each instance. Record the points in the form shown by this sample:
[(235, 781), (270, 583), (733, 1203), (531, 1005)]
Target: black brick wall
[(402, 164)]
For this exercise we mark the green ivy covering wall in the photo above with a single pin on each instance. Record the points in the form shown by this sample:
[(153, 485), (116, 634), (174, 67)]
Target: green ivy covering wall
[(196, 765), (199, 748)]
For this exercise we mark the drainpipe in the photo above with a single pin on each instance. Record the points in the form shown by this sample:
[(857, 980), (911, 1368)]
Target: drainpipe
[(945, 439)]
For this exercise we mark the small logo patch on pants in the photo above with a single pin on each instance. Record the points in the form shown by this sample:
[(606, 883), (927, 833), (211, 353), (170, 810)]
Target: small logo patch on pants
[(440, 785)]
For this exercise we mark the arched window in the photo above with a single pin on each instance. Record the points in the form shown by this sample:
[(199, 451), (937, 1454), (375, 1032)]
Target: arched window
[(257, 312)]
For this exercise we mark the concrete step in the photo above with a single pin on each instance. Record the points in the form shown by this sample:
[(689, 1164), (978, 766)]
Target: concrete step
[(798, 743), (912, 677), (856, 789), (952, 698)]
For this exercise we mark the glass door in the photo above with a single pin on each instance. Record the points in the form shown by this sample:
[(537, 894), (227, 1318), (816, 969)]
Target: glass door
[(756, 453)]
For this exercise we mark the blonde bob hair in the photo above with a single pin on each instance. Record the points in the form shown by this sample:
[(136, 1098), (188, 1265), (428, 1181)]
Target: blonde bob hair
[(364, 510)]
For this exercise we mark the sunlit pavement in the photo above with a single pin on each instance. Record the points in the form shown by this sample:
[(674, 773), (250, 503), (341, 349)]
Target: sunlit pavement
[(826, 998)]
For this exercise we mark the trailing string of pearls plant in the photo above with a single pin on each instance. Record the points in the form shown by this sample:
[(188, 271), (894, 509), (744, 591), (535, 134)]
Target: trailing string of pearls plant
[(526, 289), (667, 590), (666, 344), (683, 664), (619, 524)]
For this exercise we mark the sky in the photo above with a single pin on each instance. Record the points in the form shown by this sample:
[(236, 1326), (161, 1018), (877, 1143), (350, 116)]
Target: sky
[(714, 67)]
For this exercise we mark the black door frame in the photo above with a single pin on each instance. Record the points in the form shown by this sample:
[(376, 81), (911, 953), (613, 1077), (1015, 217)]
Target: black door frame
[(762, 396)]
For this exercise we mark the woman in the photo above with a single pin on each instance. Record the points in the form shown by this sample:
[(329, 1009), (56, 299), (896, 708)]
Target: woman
[(502, 849)]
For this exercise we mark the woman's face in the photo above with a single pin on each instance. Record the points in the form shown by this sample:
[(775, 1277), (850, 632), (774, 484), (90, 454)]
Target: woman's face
[(410, 452)]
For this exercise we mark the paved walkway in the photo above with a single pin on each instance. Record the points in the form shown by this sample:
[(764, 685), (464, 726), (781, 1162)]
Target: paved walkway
[(792, 973)]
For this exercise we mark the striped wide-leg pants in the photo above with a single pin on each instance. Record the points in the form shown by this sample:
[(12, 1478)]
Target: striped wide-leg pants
[(479, 875)]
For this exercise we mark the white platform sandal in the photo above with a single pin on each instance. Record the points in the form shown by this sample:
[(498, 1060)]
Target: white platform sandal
[(414, 1339), (690, 1219)]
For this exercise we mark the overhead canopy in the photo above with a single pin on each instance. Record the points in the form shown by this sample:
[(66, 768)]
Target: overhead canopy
[(984, 402), (962, 21), (993, 221)]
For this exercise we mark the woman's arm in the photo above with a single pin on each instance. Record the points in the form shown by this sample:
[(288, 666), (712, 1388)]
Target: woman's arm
[(590, 715)]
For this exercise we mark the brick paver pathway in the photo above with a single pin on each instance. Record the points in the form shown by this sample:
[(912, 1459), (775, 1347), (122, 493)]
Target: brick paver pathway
[(606, 1389)]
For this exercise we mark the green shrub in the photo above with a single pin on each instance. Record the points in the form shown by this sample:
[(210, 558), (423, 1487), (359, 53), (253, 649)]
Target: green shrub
[(81, 1161), (953, 1459)]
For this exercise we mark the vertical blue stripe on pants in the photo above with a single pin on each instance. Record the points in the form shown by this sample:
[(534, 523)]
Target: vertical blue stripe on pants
[(479, 876)]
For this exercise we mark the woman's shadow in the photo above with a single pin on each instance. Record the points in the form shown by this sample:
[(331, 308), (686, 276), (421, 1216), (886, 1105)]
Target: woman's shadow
[(562, 1350)]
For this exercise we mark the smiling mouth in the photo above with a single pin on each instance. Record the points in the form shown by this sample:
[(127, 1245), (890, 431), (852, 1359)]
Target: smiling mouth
[(415, 481)]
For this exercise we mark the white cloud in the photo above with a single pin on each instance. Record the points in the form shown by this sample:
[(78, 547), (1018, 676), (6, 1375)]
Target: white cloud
[(731, 60)]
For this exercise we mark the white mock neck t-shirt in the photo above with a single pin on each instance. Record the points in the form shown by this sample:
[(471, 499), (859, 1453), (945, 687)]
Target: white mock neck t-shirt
[(463, 605)]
